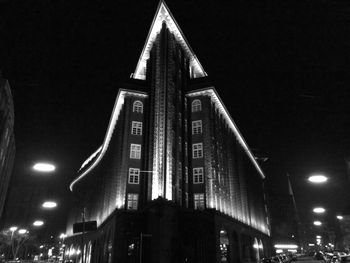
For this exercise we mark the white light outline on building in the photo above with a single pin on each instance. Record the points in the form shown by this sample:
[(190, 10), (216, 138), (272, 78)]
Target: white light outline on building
[(114, 118), (163, 14), (220, 105), (286, 246), (92, 156)]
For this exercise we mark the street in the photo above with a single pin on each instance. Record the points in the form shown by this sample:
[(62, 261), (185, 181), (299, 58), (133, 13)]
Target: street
[(309, 260)]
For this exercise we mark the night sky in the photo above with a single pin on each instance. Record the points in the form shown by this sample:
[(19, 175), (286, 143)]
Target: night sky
[(282, 70)]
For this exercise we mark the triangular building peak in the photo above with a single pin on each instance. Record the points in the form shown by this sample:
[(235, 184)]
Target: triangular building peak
[(163, 14)]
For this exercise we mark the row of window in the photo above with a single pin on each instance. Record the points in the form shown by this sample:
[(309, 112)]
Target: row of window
[(136, 127), (138, 106), (197, 151), (134, 175), (133, 200)]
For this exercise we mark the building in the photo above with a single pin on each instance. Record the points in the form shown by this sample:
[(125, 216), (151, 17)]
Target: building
[(7, 140), (174, 180)]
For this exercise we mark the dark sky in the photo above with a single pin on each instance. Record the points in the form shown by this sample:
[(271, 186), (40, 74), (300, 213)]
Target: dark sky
[(282, 70)]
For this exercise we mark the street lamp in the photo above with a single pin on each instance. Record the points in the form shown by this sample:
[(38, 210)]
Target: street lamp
[(49, 204), (13, 229), (317, 223), (22, 231), (339, 217), (44, 167), (318, 179), (63, 236), (38, 223), (319, 210)]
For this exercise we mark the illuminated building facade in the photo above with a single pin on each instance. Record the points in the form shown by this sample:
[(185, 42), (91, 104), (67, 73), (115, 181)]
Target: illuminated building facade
[(7, 140), (174, 180)]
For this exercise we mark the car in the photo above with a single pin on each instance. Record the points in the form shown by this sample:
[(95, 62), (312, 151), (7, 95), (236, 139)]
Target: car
[(345, 258), (271, 260), (320, 256)]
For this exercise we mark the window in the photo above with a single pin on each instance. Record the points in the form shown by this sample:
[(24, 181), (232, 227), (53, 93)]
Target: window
[(136, 128), (198, 201), (196, 105), (134, 176), (133, 201), (135, 151), (197, 127), (197, 150), (137, 107), (198, 175)]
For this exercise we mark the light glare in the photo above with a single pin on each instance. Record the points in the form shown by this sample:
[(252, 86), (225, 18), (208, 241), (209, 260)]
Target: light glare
[(44, 167), (13, 228), (319, 210), (318, 179), (339, 217), (285, 246), (49, 204), (22, 231), (317, 223), (38, 223)]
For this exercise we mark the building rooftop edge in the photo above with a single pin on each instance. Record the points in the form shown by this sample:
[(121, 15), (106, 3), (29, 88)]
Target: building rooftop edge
[(211, 91), (163, 14), (112, 122)]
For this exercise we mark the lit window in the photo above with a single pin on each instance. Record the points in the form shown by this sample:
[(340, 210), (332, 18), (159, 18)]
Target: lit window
[(134, 176), (135, 151), (137, 107), (197, 150), (133, 201), (196, 105), (197, 127), (198, 175), (198, 201), (136, 128)]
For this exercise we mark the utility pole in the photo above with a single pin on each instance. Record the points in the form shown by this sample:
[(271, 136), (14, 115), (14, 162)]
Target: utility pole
[(82, 236)]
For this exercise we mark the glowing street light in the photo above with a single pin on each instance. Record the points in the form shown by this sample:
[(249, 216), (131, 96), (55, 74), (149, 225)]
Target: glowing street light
[(22, 231), (38, 223), (49, 204), (317, 223), (339, 217), (13, 228), (318, 237), (318, 179), (44, 167), (319, 210)]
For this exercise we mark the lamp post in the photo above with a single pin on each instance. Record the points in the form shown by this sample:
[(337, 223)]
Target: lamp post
[(63, 236), (12, 229)]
